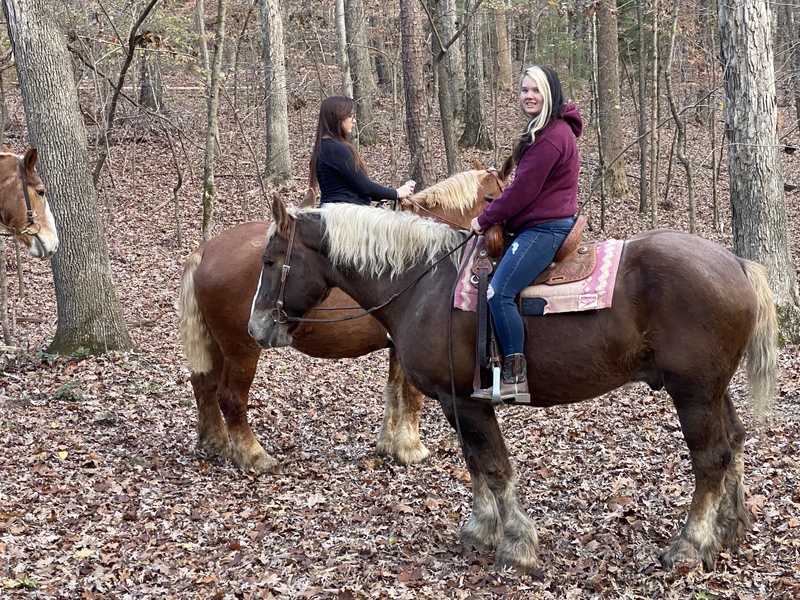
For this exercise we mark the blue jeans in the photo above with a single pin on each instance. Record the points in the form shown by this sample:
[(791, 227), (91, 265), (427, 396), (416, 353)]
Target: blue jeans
[(531, 252)]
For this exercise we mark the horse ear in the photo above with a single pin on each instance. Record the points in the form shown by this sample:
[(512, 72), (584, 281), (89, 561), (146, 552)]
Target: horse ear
[(477, 164), (508, 166), (31, 156), (280, 215), (309, 200), (7, 149)]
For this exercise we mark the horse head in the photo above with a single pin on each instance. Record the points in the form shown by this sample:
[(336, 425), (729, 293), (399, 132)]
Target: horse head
[(24, 209), (461, 197), (281, 299)]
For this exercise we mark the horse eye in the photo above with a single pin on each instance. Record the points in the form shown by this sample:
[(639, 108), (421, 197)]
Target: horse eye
[(269, 263), (40, 193)]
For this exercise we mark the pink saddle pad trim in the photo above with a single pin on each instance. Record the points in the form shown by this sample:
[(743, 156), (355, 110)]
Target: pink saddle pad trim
[(594, 292)]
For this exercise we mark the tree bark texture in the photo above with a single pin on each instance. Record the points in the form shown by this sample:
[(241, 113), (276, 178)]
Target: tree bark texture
[(364, 87), (212, 118), (417, 122), (341, 50), (456, 84), (89, 313), (279, 161), (475, 134), (505, 81), (758, 205), (609, 105)]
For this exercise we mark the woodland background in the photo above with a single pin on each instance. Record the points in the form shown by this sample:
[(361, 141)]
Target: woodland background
[(102, 494)]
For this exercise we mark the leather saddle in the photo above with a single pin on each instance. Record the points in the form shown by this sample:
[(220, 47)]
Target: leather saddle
[(574, 260)]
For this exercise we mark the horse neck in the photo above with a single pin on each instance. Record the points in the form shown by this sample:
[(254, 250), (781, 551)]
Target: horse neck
[(429, 294)]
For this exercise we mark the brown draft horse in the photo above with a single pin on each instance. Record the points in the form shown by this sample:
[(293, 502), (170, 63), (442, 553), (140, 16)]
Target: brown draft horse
[(24, 211), (685, 312), (217, 288)]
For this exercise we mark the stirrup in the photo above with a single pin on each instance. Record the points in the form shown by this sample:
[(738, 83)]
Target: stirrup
[(495, 397)]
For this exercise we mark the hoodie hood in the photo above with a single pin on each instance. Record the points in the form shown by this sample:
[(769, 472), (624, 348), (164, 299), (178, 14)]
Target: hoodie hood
[(572, 116)]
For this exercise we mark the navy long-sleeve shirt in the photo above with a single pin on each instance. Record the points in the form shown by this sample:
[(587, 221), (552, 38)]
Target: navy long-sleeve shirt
[(342, 180)]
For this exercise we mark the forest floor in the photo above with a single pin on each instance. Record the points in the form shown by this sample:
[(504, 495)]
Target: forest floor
[(103, 495)]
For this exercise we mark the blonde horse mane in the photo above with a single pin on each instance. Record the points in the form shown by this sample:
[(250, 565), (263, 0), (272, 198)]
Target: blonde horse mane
[(457, 192), (379, 242)]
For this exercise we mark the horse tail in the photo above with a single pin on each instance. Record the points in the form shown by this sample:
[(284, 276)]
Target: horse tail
[(762, 350), (195, 336)]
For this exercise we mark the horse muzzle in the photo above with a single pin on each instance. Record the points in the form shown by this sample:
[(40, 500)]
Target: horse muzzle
[(268, 333)]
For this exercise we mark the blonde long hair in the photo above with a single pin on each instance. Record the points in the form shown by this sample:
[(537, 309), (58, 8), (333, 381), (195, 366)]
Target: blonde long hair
[(553, 102)]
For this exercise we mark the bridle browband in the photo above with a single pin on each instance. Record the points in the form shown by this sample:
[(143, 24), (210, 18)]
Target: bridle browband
[(29, 227), (279, 315)]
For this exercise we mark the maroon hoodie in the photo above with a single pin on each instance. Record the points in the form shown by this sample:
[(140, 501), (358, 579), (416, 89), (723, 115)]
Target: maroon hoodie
[(545, 187)]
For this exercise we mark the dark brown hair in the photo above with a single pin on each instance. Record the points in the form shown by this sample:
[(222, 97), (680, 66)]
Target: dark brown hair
[(332, 112)]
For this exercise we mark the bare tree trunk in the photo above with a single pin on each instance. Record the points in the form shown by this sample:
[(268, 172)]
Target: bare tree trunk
[(341, 50), (89, 313), (278, 168), (455, 82), (655, 133), (209, 189), (642, 113), (417, 123), (609, 103), (760, 229), (475, 133), (4, 322), (794, 35), (680, 124), (361, 70), (151, 84), (504, 79)]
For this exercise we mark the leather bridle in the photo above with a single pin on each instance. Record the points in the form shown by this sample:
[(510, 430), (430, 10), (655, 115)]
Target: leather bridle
[(31, 228), (279, 315)]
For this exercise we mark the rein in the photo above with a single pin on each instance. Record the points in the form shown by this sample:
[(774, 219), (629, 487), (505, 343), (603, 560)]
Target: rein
[(29, 227), (280, 316)]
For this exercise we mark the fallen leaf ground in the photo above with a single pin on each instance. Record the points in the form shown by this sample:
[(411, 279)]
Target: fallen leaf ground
[(102, 494)]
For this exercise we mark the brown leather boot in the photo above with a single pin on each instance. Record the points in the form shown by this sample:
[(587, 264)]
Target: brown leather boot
[(513, 382)]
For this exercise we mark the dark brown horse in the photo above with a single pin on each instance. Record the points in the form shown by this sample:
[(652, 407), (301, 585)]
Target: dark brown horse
[(24, 210), (217, 289), (685, 312)]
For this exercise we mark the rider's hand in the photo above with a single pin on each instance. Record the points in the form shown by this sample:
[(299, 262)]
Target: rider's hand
[(475, 227), (404, 191)]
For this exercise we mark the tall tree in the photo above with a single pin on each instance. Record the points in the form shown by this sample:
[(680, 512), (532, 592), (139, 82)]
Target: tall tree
[(475, 133), (455, 84), (609, 105), (279, 161), (760, 230), (364, 87), (89, 313), (417, 124), (503, 49), (212, 118), (680, 122), (341, 50)]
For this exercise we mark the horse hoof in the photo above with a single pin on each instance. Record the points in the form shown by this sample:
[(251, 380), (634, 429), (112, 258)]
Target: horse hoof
[(256, 465), (211, 448), (683, 555), (521, 558), (411, 456)]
